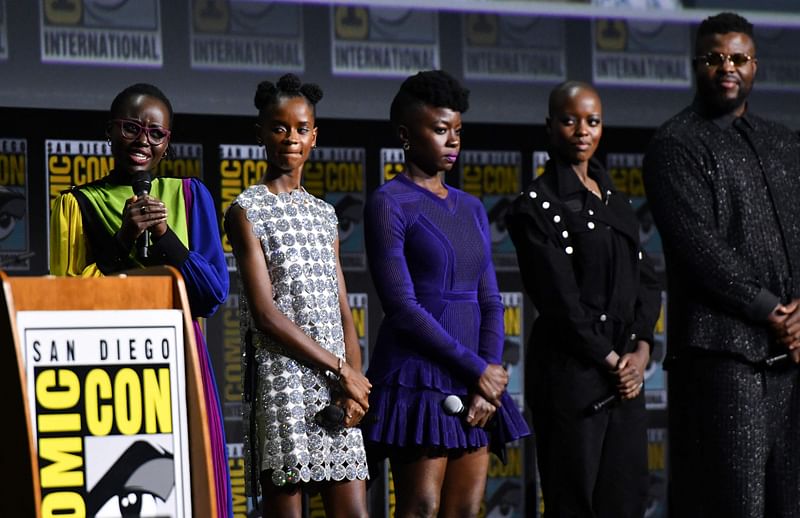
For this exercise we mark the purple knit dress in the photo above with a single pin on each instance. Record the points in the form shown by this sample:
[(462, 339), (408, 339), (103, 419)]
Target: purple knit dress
[(430, 260)]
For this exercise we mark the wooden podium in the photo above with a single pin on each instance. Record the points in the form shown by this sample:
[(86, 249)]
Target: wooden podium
[(162, 289)]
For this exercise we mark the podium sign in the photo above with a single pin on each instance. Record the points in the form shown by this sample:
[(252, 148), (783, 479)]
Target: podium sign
[(107, 399)]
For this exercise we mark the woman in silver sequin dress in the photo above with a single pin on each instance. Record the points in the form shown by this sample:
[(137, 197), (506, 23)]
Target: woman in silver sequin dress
[(300, 346)]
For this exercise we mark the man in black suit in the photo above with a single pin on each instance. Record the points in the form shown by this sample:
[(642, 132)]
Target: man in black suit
[(724, 186)]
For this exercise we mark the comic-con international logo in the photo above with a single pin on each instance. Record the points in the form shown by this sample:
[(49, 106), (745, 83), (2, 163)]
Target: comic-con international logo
[(14, 227), (247, 35), (494, 177), (513, 349), (360, 311), (540, 159), (101, 32), (182, 161), (95, 455), (383, 41), (75, 162), (108, 412), (337, 176), (240, 166), (641, 53), (392, 163), (625, 170), (223, 331), (513, 47)]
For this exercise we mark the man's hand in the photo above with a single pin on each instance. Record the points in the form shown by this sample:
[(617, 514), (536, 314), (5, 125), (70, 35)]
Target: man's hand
[(785, 323)]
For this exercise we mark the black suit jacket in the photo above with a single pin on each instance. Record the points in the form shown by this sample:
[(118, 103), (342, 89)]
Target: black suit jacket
[(724, 195)]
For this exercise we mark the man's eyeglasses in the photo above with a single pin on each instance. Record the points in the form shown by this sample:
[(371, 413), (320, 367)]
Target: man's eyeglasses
[(717, 59), (131, 130)]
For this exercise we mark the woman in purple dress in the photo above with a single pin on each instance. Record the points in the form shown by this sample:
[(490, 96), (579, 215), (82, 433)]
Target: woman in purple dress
[(430, 257)]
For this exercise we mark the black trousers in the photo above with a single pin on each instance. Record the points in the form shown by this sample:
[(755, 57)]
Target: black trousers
[(591, 465), (734, 443)]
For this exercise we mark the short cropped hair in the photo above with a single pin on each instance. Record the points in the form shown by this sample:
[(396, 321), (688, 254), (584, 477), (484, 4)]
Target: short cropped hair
[(434, 88), (139, 89), (723, 23)]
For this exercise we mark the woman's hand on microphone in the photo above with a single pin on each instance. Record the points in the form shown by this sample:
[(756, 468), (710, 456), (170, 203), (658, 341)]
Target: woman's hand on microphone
[(353, 412), (630, 371), (139, 214), (492, 383), (479, 411), (355, 385)]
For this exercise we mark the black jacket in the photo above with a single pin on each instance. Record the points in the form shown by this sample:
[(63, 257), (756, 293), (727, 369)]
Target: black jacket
[(581, 263), (724, 194)]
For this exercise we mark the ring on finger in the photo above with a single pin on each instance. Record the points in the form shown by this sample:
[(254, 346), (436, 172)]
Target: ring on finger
[(143, 209)]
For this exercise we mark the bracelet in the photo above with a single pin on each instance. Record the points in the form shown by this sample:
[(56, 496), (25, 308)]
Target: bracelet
[(335, 376)]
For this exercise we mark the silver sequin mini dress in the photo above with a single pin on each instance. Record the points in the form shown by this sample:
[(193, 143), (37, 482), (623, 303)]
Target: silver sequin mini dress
[(297, 232)]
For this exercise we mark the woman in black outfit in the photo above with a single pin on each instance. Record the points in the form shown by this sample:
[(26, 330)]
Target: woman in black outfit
[(598, 299)]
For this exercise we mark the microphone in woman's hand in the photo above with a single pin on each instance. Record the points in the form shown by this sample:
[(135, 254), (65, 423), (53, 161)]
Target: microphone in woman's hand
[(141, 184), (452, 405), (331, 416), (602, 404)]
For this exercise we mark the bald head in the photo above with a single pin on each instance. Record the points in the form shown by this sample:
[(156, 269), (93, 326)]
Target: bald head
[(561, 93)]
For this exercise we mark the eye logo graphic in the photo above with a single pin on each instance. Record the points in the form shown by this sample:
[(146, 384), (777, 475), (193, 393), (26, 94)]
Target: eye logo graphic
[(349, 211), (482, 29), (134, 484), (352, 23), (63, 12), (611, 35), (210, 15), (12, 210), (497, 220)]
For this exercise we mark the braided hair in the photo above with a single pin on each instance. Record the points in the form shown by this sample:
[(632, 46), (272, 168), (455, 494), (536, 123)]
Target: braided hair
[(289, 85)]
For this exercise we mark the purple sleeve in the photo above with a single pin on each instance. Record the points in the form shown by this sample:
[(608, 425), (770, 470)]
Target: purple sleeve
[(492, 335), (385, 232), (205, 270)]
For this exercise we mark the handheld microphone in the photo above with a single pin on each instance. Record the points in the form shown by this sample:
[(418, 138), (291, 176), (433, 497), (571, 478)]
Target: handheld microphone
[(141, 187), (452, 405), (777, 359), (602, 404), (331, 416)]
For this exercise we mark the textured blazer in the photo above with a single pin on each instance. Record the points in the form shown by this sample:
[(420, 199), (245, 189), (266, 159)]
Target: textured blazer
[(724, 195)]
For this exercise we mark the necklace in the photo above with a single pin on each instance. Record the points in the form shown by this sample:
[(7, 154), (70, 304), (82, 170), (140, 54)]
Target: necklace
[(588, 188)]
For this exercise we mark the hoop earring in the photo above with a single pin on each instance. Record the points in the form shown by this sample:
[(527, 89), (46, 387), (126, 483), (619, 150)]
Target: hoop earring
[(108, 142), (406, 146)]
